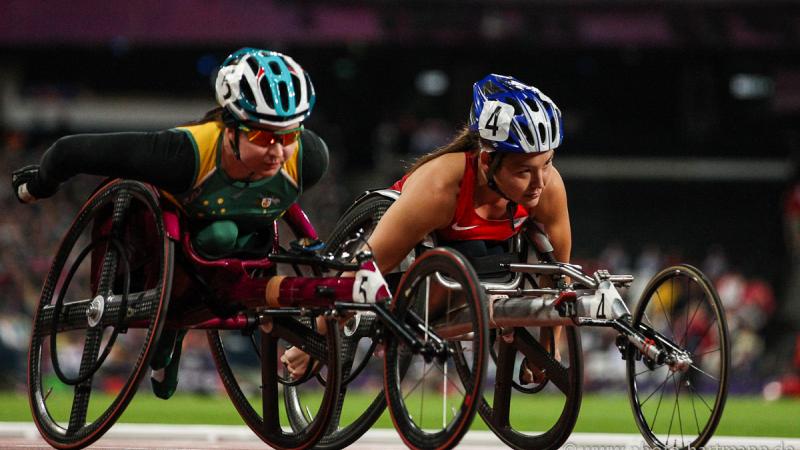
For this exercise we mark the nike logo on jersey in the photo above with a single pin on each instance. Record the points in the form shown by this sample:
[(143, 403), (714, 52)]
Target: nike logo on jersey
[(456, 227), (517, 222)]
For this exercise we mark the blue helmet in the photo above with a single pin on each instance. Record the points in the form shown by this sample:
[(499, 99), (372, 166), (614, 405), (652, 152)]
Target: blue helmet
[(514, 117), (264, 88)]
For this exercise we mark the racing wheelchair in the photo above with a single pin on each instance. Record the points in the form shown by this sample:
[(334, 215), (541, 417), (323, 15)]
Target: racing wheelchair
[(675, 346), (126, 273)]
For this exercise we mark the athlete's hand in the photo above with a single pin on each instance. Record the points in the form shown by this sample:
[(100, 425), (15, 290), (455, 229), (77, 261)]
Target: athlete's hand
[(19, 181), (25, 182), (296, 361)]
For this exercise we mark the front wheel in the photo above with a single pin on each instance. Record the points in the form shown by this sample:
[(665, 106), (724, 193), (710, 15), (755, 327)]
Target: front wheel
[(678, 403)]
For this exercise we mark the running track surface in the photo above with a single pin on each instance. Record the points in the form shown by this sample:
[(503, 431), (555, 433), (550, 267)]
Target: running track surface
[(24, 435)]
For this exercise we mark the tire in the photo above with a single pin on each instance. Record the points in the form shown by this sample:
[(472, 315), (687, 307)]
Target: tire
[(358, 346), (108, 288), (250, 372), (681, 305), (464, 321)]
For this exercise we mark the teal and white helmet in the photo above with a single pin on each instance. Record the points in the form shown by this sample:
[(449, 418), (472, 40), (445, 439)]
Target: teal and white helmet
[(263, 87)]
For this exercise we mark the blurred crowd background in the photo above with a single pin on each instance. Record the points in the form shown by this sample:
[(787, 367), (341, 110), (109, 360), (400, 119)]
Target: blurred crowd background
[(681, 135)]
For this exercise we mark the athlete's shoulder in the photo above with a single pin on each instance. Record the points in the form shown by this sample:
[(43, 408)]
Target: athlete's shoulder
[(446, 169), (203, 131), (202, 126), (204, 137)]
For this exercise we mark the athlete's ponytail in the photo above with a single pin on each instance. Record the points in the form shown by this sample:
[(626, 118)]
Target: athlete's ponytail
[(465, 141)]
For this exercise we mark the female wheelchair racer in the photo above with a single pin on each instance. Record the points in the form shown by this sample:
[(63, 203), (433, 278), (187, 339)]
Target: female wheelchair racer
[(233, 173), (476, 192)]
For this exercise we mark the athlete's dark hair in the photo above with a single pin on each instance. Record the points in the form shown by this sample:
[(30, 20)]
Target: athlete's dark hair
[(465, 141)]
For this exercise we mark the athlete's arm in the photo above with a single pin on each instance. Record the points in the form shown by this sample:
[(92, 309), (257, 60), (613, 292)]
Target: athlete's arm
[(553, 214), (163, 158), (428, 202)]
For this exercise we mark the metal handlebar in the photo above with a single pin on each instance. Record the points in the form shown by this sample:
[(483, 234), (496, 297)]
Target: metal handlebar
[(572, 271), (553, 269)]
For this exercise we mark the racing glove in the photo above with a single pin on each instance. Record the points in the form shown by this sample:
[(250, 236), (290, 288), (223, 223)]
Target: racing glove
[(28, 187)]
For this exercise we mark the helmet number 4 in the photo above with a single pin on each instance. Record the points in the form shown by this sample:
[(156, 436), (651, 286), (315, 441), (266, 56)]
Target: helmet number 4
[(491, 124), (495, 120)]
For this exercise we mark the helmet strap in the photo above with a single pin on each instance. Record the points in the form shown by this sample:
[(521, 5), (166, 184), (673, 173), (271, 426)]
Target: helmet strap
[(494, 164), (238, 155), (235, 144), (230, 122)]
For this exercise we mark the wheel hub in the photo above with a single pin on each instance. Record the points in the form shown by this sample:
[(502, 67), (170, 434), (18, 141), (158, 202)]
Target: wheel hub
[(95, 310), (352, 324), (679, 362)]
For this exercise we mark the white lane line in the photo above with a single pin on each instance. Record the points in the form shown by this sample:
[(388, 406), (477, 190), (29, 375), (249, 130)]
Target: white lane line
[(382, 437)]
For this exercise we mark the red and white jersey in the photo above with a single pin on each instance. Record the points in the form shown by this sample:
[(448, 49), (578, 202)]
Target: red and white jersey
[(467, 225)]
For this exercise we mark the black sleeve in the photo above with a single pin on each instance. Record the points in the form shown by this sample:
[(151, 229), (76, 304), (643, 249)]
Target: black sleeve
[(164, 158), (315, 158)]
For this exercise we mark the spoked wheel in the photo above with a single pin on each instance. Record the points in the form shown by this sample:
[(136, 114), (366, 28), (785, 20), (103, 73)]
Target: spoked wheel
[(541, 414), (362, 372), (440, 302), (100, 312), (250, 368), (677, 403)]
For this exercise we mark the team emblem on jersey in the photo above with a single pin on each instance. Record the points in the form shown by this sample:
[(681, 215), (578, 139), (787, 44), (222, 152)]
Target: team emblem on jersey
[(267, 201)]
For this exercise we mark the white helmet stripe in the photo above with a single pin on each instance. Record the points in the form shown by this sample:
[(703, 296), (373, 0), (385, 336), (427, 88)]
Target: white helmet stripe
[(534, 119), (258, 96), (555, 131)]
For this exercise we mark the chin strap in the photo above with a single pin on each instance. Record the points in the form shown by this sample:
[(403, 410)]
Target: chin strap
[(511, 206), (238, 155), (235, 144)]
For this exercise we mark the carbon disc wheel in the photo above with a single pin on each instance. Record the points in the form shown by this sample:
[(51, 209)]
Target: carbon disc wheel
[(101, 309)]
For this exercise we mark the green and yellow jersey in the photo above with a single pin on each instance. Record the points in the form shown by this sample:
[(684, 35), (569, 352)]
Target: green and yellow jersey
[(231, 211)]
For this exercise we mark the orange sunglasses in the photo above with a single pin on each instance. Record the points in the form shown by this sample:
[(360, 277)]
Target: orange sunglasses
[(264, 138)]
